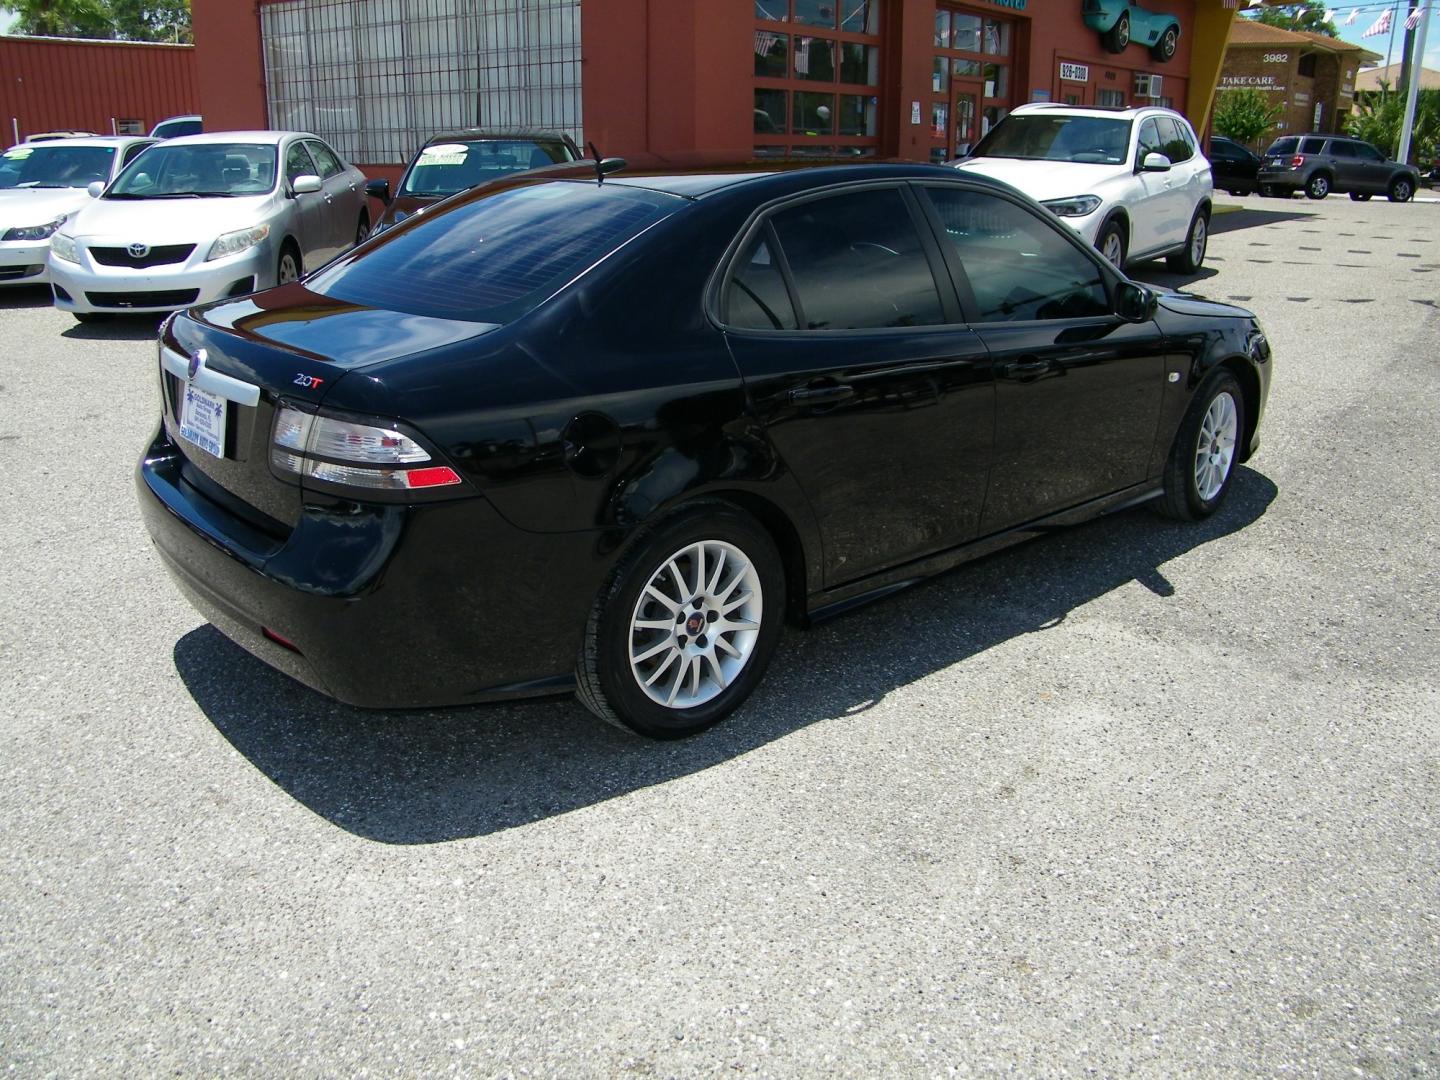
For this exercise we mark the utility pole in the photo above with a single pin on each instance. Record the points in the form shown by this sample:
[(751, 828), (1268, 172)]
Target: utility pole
[(1409, 124), (1404, 82)]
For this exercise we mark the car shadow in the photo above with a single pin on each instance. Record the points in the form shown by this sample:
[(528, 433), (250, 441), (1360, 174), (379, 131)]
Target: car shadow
[(116, 328), (1155, 273), (1246, 218), (25, 296), (423, 777)]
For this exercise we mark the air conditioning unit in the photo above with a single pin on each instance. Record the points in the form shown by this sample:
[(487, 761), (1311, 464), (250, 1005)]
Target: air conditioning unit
[(1147, 85)]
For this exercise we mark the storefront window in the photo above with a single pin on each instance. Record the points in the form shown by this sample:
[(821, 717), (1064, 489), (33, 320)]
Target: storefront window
[(974, 45), (997, 81), (939, 119), (942, 29), (996, 38), (940, 75), (770, 112), (814, 59), (965, 32), (967, 69), (799, 77), (772, 54)]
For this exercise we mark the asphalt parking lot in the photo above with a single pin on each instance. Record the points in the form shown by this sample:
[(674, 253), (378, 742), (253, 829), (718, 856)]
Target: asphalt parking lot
[(1138, 798)]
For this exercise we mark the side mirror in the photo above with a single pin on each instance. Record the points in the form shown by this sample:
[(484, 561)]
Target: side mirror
[(378, 189), (306, 184), (1155, 163), (96, 188), (1134, 303)]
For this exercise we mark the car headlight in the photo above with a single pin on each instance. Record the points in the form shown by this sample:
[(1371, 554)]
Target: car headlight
[(232, 243), (1078, 206), (64, 247), (34, 232)]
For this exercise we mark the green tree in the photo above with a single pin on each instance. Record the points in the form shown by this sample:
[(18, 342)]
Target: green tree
[(127, 20), (1245, 114), (62, 18), (1311, 17), (1378, 117)]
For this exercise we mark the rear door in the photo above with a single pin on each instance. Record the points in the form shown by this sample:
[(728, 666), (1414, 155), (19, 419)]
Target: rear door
[(1077, 389), (342, 197), (312, 221), (845, 326)]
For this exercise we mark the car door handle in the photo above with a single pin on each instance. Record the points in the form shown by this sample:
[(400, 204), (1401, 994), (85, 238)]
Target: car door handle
[(1024, 369), (823, 394)]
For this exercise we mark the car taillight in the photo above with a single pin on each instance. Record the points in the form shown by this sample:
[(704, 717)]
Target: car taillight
[(353, 458), (1297, 161)]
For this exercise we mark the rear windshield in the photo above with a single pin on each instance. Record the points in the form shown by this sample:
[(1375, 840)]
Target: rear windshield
[(448, 167), (1283, 146), (54, 166), (493, 258)]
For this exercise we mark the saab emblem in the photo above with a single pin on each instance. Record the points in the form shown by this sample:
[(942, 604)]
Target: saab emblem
[(197, 362)]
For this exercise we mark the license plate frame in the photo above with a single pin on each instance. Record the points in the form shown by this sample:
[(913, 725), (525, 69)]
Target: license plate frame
[(203, 419)]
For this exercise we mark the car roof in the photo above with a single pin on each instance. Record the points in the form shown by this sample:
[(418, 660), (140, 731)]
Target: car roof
[(698, 185), (257, 136), (1099, 111), (474, 134), (89, 140)]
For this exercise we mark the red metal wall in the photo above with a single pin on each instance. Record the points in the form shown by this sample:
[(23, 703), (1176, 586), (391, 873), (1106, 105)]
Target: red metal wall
[(48, 84)]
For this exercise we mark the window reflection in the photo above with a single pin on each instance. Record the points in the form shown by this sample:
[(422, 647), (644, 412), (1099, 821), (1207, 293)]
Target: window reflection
[(815, 12), (770, 112), (815, 59), (772, 54)]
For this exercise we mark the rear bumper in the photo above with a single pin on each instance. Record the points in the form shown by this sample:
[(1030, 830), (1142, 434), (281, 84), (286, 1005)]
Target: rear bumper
[(1282, 178), (387, 606)]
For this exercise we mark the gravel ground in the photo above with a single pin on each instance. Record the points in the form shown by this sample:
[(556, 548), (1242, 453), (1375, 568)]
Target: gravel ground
[(1134, 799)]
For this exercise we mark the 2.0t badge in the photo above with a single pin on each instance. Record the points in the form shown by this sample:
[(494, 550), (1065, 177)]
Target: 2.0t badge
[(307, 381)]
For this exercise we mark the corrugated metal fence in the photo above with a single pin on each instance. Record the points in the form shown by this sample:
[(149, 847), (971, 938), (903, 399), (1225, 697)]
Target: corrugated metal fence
[(53, 83)]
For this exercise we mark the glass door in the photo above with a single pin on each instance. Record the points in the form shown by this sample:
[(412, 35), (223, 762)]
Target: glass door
[(967, 108)]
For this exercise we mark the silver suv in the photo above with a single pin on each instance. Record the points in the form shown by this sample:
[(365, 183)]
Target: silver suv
[(1133, 182), (1320, 164)]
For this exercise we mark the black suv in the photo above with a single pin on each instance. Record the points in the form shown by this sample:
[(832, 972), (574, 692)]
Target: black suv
[(1320, 164)]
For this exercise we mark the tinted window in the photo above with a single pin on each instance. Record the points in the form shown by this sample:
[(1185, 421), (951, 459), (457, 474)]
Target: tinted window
[(756, 297), (133, 152), (1368, 153), (1283, 146), (328, 162), (1342, 149), (1019, 266), (1312, 146), (857, 262), (1150, 141), (1220, 152), (175, 128), (1173, 144), (298, 163), (492, 259)]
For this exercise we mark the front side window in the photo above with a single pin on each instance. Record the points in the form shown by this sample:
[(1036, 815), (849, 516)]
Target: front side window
[(1019, 267), (206, 170), (298, 163), (1150, 141), (1366, 152), (1342, 149), (857, 263), (494, 257), (27, 166)]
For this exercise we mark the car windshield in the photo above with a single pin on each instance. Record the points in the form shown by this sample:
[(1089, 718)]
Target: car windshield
[(448, 167), (55, 166), (1092, 140), (203, 170), (493, 258)]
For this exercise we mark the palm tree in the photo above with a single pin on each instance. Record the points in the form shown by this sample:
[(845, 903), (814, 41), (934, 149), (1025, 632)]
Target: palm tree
[(62, 18)]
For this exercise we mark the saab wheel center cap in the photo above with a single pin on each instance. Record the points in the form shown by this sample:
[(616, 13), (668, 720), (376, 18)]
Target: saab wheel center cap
[(694, 624)]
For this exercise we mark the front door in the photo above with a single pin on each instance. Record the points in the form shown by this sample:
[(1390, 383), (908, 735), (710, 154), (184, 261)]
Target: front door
[(875, 397), (966, 117), (1077, 389)]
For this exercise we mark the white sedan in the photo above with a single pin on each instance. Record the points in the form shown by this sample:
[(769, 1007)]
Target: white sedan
[(204, 217), (41, 184)]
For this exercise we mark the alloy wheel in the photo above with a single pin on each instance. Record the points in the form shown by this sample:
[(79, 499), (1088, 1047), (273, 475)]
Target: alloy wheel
[(1215, 448), (695, 624), (1199, 237), (288, 271), (1114, 250)]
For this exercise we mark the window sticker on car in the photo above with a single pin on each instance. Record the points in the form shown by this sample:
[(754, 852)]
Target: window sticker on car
[(443, 154)]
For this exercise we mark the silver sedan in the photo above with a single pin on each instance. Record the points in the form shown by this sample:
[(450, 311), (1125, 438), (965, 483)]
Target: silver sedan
[(205, 217)]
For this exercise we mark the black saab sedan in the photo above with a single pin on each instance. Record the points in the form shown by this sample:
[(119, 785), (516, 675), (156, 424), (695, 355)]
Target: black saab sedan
[(609, 434)]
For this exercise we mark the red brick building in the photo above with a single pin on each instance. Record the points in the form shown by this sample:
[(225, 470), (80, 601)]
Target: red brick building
[(683, 81), (1311, 76)]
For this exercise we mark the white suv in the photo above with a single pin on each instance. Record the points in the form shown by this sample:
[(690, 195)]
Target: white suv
[(1133, 182)]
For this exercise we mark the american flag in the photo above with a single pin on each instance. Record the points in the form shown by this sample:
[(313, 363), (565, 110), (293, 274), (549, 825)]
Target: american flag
[(1353, 16), (1329, 15), (764, 42), (1414, 19), (1380, 25)]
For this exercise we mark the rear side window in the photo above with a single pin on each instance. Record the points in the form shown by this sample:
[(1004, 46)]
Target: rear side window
[(1019, 267), (857, 262), (1312, 146), (756, 297), (328, 162), (492, 259), (1172, 141)]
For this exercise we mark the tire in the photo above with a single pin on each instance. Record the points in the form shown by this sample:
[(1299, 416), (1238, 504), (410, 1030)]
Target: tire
[(362, 230), (1359, 196), (1266, 191), (1195, 483), (288, 267), (620, 654), (1111, 243), (1318, 186), (1164, 49), (1402, 189), (1118, 36), (1196, 241)]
